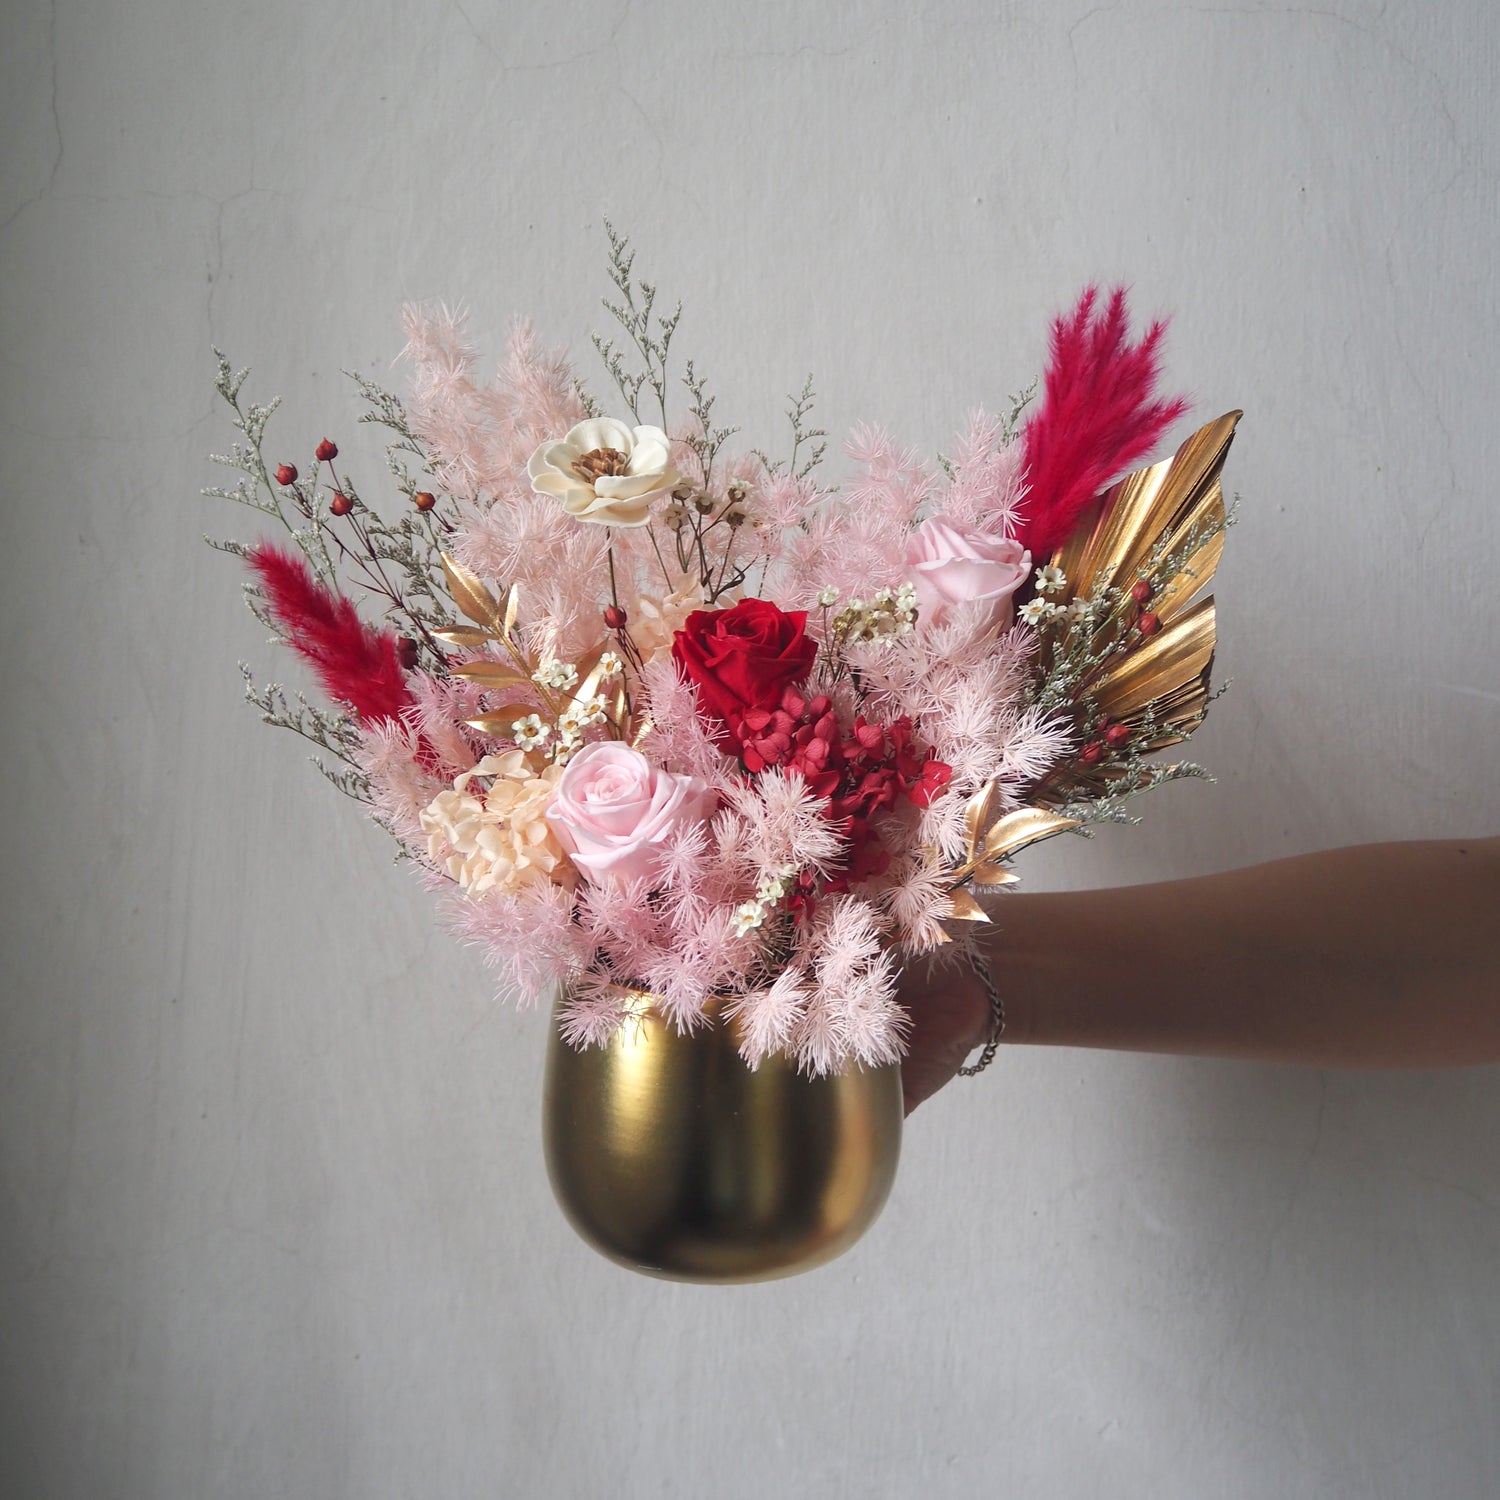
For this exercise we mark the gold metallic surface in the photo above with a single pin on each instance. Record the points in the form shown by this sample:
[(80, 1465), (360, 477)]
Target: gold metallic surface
[(470, 593), (994, 837), (1172, 663), (1021, 828), (671, 1157), (964, 908), (1163, 503)]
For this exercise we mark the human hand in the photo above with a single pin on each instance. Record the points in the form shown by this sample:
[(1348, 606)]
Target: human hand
[(950, 1017)]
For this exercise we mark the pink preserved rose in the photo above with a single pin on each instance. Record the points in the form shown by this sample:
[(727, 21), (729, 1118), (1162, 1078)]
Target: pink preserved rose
[(613, 810), (953, 564)]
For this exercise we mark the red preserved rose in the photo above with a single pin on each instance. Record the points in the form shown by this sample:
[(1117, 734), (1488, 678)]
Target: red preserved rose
[(742, 659)]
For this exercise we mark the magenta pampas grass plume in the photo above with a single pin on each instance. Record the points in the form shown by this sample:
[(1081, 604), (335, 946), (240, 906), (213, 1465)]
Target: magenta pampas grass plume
[(1100, 412), (356, 663)]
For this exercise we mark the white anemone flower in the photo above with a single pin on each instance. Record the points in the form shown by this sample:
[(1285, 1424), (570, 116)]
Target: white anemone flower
[(606, 472)]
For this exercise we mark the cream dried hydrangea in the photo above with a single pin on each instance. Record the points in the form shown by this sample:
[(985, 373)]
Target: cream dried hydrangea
[(657, 618), (497, 839)]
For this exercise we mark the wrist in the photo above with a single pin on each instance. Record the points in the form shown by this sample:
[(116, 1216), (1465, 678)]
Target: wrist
[(994, 1007)]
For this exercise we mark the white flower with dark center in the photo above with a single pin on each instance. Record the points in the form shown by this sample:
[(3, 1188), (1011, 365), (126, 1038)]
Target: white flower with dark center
[(610, 666), (530, 732), (1050, 580), (569, 738), (605, 471), (1079, 610), (747, 917), (1034, 611), (556, 674)]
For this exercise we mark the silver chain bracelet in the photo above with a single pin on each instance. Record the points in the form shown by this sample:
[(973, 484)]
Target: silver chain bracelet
[(997, 1015)]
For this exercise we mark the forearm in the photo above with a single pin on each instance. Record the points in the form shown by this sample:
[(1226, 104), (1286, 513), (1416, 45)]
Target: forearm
[(1379, 956)]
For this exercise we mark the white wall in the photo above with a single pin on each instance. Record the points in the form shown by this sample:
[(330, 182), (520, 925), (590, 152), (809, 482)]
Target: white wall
[(274, 1220)]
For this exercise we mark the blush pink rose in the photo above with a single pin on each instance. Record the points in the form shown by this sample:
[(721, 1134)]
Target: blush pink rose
[(613, 810), (952, 564)]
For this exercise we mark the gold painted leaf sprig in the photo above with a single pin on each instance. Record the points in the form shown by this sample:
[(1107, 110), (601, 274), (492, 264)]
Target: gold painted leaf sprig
[(993, 838), (555, 701)]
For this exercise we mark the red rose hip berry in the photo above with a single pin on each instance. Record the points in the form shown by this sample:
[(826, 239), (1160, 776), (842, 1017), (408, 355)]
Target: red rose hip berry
[(286, 474), (327, 451), (341, 504)]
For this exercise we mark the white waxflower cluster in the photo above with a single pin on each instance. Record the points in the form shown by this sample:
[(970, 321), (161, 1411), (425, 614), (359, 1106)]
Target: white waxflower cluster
[(769, 894), (573, 722), (558, 675), (890, 613), (1038, 611), (530, 733), (748, 916)]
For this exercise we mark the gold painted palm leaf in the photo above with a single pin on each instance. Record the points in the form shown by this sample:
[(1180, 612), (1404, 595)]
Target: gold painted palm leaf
[(1165, 525)]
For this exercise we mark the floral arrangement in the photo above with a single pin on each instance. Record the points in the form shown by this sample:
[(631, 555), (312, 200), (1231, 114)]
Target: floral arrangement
[(655, 714)]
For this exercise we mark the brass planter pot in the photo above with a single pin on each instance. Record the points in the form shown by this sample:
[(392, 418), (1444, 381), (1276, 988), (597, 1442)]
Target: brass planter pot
[(671, 1157)]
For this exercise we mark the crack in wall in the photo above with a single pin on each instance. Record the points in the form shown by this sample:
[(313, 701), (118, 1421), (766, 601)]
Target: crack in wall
[(57, 159)]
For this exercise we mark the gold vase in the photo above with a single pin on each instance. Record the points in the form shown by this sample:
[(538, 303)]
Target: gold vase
[(670, 1156)]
